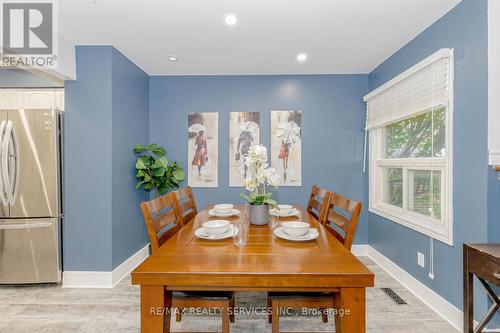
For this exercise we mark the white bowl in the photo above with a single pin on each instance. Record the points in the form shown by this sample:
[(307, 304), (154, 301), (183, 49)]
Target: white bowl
[(216, 227), (224, 208), (295, 228), (285, 209)]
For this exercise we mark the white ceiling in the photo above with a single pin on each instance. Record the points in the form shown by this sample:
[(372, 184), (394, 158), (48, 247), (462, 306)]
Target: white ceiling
[(339, 36)]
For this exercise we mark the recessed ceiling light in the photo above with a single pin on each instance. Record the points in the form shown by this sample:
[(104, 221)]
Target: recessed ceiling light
[(172, 58), (301, 57), (231, 19)]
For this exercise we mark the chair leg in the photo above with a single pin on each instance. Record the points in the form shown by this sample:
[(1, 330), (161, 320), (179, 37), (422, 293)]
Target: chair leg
[(336, 318), (178, 314), (232, 305), (275, 316), (269, 307), (225, 317), (167, 306), (324, 315)]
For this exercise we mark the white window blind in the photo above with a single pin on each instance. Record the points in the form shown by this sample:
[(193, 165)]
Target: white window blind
[(418, 89)]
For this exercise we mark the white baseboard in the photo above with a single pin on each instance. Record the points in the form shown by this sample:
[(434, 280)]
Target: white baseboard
[(442, 307), (429, 297), (86, 279), (129, 265), (360, 250), (92, 279)]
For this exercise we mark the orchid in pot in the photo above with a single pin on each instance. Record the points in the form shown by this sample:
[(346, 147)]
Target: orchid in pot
[(259, 177)]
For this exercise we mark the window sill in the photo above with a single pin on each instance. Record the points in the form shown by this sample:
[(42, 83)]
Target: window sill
[(410, 221)]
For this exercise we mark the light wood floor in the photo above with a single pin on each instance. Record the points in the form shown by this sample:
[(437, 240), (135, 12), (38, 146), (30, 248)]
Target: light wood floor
[(53, 309)]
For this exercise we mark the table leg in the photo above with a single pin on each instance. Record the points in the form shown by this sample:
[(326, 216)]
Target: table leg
[(155, 309), (468, 303), (468, 294), (352, 302), (492, 310)]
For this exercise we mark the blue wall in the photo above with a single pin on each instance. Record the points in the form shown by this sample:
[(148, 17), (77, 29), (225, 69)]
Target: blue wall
[(88, 143), (464, 29), (333, 117), (106, 114), (130, 95)]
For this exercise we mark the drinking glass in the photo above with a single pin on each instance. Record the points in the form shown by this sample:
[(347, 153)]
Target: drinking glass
[(247, 213), (240, 238), (274, 222)]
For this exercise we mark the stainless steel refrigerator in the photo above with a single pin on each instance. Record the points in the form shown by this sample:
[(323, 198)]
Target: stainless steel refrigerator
[(30, 195)]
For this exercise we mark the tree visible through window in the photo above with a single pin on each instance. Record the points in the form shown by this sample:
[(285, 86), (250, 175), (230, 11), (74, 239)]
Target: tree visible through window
[(422, 136), (418, 137)]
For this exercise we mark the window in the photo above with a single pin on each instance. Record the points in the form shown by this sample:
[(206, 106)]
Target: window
[(410, 126)]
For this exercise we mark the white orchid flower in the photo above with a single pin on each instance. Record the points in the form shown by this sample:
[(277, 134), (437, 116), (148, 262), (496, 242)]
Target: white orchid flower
[(259, 174), (250, 185)]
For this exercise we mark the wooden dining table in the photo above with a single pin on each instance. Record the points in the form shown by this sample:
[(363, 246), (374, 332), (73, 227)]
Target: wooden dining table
[(266, 263)]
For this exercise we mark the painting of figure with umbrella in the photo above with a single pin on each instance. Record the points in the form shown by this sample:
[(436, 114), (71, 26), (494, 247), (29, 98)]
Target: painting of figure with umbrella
[(244, 132), (203, 133), (286, 148)]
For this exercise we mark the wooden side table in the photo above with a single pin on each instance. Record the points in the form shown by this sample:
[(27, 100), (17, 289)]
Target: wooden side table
[(483, 261)]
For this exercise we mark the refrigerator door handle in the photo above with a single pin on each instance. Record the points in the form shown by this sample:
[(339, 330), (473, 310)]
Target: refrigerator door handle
[(15, 155), (3, 199), (6, 174)]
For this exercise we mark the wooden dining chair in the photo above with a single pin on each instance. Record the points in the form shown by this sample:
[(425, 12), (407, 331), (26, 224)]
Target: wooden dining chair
[(186, 205), (318, 200), (163, 219), (340, 218)]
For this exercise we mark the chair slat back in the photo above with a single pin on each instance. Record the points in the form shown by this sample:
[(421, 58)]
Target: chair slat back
[(186, 205), (318, 200), (162, 221), (341, 218)]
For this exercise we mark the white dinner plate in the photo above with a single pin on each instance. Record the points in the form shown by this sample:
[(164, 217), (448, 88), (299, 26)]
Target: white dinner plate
[(310, 235), (293, 212), (212, 212), (201, 233)]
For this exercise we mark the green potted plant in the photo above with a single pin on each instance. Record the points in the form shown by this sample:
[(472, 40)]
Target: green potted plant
[(154, 172), (259, 175)]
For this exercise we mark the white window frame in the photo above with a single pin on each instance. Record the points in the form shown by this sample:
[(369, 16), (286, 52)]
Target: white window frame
[(440, 230), (494, 82)]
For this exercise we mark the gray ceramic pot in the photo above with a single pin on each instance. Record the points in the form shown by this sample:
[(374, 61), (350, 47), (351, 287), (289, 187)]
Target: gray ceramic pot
[(258, 214)]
